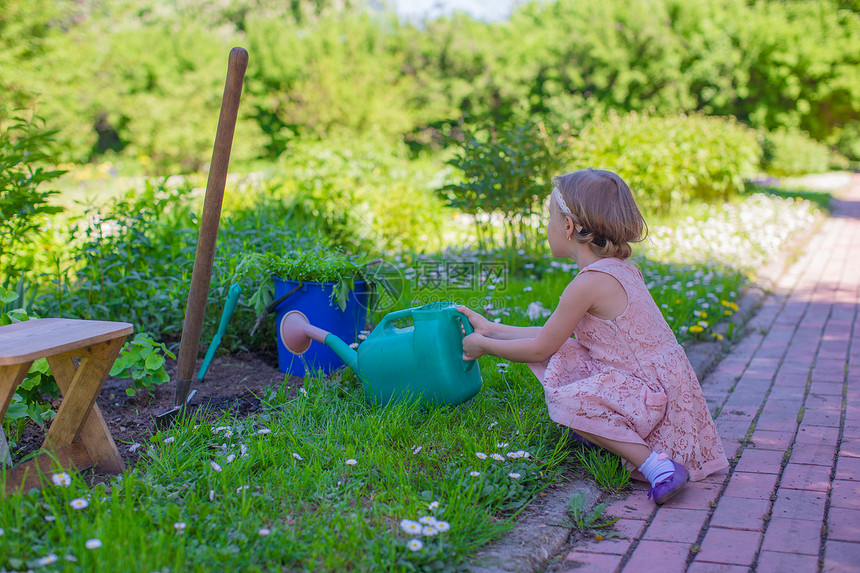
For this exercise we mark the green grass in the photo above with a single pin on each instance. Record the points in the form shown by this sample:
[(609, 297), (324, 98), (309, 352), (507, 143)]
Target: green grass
[(321, 513)]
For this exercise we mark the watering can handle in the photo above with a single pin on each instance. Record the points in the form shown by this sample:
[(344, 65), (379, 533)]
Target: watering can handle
[(467, 327), (386, 325)]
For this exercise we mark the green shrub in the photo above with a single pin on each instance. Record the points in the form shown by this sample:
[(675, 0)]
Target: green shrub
[(504, 170), (670, 161), (24, 201), (788, 152), (361, 194)]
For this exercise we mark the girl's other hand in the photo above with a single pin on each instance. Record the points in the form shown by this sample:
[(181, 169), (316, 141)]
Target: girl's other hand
[(472, 346), (478, 322)]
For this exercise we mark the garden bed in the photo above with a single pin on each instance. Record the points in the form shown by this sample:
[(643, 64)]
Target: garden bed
[(233, 383)]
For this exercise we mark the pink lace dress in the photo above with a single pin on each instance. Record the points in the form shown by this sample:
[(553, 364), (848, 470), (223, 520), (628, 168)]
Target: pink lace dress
[(629, 380)]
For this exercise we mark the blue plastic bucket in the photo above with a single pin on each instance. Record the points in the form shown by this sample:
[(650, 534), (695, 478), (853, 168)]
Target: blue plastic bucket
[(314, 301)]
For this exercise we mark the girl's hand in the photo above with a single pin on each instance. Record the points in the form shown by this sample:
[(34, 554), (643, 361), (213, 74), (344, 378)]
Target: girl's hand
[(478, 322), (472, 346)]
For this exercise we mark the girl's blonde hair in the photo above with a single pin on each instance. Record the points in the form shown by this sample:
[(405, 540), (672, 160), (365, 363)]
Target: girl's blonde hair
[(604, 211)]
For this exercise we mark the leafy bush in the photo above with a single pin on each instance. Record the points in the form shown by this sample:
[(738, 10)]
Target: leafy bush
[(24, 201), (361, 195), (504, 170), (670, 161), (132, 261), (788, 152), (142, 360)]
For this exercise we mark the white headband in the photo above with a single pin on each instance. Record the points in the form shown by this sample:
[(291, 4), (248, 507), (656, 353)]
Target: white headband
[(556, 194)]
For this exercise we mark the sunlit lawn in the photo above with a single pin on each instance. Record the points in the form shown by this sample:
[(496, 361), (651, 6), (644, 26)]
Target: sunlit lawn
[(323, 481)]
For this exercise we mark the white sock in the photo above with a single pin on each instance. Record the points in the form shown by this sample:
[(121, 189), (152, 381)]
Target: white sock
[(656, 469)]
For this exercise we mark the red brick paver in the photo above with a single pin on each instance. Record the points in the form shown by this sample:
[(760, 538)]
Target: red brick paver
[(787, 399)]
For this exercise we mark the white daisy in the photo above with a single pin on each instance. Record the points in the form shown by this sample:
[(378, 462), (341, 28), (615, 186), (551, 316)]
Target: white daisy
[(351, 461), (211, 495), (93, 543), (427, 520), (169, 440), (443, 526), (215, 466), (298, 457), (242, 488), (231, 457), (415, 545), (79, 503), (263, 531), (514, 475), (179, 526), (501, 445), (303, 392), (498, 457), (429, 531), (264, 431), (481, 455), (433, 505), (416, 449), (411, 527), (47, 560), (62, 479), (474, 474)]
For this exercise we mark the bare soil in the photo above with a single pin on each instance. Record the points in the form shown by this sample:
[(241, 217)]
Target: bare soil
[(233, 383)]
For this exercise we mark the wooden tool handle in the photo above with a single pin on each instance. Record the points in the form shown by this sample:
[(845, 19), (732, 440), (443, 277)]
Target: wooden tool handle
[(198, 294)]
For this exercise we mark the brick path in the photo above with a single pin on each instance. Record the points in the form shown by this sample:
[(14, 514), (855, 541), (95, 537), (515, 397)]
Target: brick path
[(788, 404)]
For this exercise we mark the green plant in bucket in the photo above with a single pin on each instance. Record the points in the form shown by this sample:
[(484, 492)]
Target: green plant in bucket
[(317, 265)]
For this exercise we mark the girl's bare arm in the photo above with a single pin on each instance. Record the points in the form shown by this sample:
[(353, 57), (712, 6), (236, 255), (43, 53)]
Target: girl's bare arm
[(580, 295)]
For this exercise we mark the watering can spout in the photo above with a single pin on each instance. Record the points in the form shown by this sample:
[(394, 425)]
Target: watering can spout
[(297, 333), (344, 352)]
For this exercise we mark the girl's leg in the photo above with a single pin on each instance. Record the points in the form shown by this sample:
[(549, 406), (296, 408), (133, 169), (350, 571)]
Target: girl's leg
[(636, 454), (666, 477)]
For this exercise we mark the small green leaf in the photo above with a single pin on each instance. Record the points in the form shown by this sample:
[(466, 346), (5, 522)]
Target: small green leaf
[(154, 361), (130, 391)]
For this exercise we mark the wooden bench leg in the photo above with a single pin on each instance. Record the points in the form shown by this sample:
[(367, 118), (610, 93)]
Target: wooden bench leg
[(79, 415), (10, 378)]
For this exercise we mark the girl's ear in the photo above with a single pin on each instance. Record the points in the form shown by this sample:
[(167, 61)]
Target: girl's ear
[(569, 227)]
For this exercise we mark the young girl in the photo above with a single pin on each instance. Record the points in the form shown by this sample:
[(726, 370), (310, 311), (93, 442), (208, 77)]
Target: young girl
[(624, 383)]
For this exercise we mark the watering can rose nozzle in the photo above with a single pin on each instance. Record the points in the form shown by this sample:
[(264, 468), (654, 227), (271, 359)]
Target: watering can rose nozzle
[(297, 333)]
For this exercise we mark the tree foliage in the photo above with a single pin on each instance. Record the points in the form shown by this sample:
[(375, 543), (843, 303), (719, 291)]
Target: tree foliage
[(142, 78)]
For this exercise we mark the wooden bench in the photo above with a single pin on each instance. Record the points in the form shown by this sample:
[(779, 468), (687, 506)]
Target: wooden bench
[(80, 354)]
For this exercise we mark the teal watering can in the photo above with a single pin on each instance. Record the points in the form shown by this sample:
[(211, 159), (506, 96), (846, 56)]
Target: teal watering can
[(423, 361)]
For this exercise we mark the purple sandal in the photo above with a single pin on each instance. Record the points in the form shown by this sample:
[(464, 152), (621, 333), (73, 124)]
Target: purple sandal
[(666, 489)]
